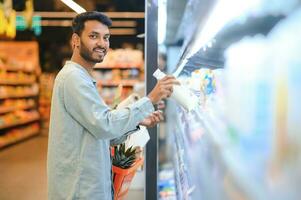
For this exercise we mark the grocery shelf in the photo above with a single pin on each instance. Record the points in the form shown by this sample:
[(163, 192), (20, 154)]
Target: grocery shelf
[(19, 122), (6, 109), (12, 69), (121, 67), (16, 82), (19, 80), (12, 140), (18, 96)]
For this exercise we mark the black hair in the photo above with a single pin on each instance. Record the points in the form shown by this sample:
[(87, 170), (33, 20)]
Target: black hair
[(78, 23)]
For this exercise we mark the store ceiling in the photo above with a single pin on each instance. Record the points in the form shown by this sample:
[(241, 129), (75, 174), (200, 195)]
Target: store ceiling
[(174, 15), (100, 5), (127, 15), (175, 12)]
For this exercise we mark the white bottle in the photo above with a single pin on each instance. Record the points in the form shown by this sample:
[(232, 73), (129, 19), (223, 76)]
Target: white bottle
[(180, 94)]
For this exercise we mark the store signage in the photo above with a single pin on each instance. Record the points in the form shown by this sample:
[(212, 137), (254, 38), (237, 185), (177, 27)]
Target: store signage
[(35, 25), (9, 22), (29, 21)]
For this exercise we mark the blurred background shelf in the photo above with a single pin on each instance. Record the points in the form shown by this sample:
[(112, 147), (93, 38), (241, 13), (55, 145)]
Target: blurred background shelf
[(19, 122), (19, 72), (14, 108), (29, 95), (16, 82), (19, 134)]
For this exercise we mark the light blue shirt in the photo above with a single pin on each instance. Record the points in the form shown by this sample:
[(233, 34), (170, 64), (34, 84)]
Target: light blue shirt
[(81, 127)]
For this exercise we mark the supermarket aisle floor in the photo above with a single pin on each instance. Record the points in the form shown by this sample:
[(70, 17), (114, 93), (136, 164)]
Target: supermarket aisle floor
[(23, 171)]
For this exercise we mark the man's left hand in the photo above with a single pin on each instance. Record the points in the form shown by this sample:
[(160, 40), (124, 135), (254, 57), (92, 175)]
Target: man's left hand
[(152, 119)]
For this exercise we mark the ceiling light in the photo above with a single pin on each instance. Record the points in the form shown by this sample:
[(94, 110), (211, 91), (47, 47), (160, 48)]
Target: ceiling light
[(162, 20), (223, 12), (74, 6)]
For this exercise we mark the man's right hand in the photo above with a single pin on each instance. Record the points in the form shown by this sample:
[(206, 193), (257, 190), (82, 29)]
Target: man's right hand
[(163, 89)]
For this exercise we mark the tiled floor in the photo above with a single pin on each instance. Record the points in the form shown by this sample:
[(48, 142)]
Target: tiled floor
[(23, 172)]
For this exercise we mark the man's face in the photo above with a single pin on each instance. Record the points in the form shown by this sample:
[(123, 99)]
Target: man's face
[(94, 41)]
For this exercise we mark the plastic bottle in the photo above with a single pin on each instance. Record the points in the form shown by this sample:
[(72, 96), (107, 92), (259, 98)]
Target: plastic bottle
[(180, 94)]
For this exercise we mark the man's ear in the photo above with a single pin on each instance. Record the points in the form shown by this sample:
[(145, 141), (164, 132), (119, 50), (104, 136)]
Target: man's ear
[(75, 40)]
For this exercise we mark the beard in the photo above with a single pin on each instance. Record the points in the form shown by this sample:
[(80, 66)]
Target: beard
[(88, 54)]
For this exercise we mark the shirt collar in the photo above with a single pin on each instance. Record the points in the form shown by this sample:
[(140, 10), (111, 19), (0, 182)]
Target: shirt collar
[(81, 68)]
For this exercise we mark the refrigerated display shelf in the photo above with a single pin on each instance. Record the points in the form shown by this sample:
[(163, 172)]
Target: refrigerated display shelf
[(36, 118), (244, 182), (215, 127), (181, 160)]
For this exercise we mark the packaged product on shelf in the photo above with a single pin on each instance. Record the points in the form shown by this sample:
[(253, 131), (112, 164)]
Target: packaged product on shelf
[(286, 159), (167, 188), (250, 92)]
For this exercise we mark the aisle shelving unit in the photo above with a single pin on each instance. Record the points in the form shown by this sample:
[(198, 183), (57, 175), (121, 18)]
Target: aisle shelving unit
[(117, 75), (19, 70), (7, 109), (46, 88)]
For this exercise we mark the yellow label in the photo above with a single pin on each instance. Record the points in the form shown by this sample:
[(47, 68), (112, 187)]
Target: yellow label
[(8, 25)]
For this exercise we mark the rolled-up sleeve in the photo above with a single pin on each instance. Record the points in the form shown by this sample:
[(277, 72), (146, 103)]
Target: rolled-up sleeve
[(85, 105)]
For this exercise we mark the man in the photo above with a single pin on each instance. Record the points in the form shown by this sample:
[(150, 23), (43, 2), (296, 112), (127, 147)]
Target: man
[(82, 125)]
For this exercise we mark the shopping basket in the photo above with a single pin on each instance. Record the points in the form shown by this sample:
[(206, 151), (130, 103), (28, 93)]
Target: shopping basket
[(122, 179)]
